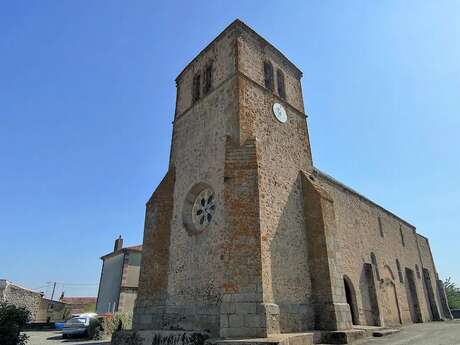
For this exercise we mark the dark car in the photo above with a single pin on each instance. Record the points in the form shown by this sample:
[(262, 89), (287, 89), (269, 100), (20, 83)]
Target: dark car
[(82, 325)]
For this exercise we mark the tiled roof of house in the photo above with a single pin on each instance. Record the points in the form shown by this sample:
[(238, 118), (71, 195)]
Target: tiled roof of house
[(137, 248), (79, 300)]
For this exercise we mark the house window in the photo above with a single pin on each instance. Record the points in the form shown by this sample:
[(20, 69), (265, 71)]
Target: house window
[(374, 263), (207, 82), (381, 227), (196, 87), (280, 83), (398, 266), (268, 75), (402, 236)]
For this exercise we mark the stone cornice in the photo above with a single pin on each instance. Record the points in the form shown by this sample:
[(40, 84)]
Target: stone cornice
[(239, 25), (254, 83)]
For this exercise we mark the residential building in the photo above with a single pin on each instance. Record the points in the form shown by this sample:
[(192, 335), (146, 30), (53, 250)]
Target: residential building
[(119, 279)]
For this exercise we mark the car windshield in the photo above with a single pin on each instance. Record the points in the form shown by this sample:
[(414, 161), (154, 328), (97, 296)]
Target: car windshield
[(77, 320)]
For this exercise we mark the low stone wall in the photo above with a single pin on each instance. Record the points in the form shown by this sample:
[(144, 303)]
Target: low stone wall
[(42, 310), (21, 297)]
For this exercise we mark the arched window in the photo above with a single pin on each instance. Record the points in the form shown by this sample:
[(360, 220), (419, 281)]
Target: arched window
[(417, 270), (374, 263), (402, 236), (381, 227), (196, 87), (268, 75), (398, 266), (280, 83), (207, 78)]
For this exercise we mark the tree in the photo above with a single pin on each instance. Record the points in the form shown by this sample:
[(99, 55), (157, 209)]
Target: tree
[(90, 308), (12, 321), (452, 293)]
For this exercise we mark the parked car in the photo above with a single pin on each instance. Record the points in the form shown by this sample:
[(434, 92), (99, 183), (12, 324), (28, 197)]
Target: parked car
[(83, 325)]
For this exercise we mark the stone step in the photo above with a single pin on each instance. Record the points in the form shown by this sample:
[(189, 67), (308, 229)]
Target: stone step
[(280, 339), (384, 332), (340, 337)]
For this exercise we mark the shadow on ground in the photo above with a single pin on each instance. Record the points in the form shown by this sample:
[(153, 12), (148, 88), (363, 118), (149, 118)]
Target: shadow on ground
[(75, 340)]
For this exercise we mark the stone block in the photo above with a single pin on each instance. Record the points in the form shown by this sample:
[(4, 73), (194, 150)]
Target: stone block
[(227, 308), (224, 323), (254, 320), (245, 308), (236, 320), (246, 297), (227, 297)]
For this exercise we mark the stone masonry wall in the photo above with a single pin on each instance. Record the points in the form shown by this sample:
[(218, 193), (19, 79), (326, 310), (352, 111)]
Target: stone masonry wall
[(250, 272), (359, 232), (191, 275), (222, 53), (253, 51), (242, 311), (427, 263), (153, 279), (282, 151), (21, 297)]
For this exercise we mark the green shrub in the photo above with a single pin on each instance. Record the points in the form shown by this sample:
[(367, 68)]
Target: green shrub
[(90, 308), (452, 293), (12, 321), (112, 323)]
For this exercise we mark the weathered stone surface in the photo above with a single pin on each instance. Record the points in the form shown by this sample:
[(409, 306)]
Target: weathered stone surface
[(280, 339), (158, 338), (384, 332), (42, 310), (288, 249)]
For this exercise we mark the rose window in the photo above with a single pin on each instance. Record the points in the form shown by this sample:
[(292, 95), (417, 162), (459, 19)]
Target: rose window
[(203, 209)]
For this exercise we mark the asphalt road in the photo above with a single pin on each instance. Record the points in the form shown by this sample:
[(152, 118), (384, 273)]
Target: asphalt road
[(55, 338), (431, 333)]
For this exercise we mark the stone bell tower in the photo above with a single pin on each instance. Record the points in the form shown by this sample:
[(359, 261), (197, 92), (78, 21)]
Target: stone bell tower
[(226, 249)]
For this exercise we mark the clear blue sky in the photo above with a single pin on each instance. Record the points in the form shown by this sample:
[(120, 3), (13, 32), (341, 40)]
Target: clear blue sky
[(87, 96)]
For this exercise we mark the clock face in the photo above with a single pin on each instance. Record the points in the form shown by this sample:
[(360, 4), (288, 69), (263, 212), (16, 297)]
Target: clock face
[(279, 112)]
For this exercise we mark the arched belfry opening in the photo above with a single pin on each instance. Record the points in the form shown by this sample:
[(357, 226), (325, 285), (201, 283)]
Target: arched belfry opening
[(350, 295)]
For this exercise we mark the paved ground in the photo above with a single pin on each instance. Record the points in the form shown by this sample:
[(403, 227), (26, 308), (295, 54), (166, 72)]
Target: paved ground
[(55, 338), (431, 333)]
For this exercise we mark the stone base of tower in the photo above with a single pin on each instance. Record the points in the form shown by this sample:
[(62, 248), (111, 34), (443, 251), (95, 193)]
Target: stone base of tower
[(153, 337), (276, 339), (333, 316), (249, 320)]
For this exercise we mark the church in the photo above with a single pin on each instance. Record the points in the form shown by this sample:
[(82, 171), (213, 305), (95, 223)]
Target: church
[(245, 238)]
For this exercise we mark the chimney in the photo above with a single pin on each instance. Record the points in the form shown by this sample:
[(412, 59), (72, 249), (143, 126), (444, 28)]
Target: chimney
[(118, 244)]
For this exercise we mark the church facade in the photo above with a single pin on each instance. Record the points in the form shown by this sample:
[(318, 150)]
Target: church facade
[(244, 237)]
